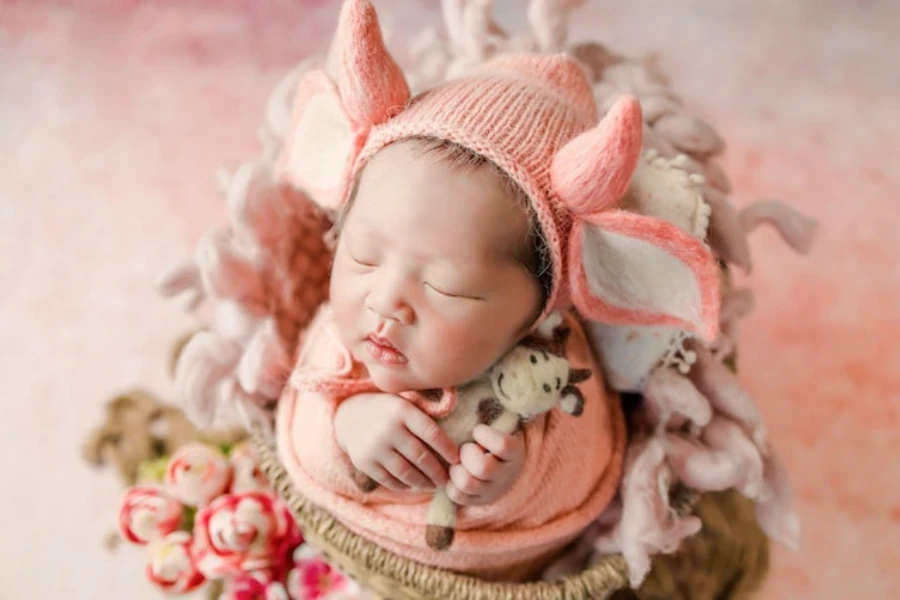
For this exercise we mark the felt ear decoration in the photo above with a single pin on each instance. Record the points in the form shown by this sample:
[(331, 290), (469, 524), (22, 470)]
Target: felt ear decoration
[(322, 143), (626, 268), (331, 121), (659, 188)]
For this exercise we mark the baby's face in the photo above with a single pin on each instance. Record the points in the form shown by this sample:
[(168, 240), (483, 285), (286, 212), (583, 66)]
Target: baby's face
[(425, 288)]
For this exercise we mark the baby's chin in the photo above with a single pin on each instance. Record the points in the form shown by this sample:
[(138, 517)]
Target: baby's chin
[(393, 380)]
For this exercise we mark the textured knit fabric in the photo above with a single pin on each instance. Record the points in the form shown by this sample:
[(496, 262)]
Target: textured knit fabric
[(517, 111), (571, 471)]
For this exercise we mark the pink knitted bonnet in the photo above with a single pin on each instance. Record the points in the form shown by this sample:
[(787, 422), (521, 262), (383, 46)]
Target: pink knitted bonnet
[(535, 117)]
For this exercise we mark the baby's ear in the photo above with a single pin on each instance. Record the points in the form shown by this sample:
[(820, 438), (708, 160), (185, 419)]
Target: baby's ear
[(333, 117)]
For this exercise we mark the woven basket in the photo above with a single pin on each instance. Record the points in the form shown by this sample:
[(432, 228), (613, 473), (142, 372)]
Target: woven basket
[(396, 578)]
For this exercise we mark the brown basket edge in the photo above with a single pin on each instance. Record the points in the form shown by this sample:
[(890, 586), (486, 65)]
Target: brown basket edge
[(389, 573)]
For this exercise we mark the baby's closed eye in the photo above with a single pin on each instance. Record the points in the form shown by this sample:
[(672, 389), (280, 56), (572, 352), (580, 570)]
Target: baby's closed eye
[(446, 293), (368, 263)]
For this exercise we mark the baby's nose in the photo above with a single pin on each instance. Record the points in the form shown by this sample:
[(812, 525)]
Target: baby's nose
[(390, 305)]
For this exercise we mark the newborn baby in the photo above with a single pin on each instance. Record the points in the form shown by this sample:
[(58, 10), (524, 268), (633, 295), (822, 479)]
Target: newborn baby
[(465, 216)]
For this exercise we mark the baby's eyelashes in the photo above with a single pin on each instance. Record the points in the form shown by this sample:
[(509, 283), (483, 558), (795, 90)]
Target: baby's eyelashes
[(362, 260), (364, 263), (461, 296)]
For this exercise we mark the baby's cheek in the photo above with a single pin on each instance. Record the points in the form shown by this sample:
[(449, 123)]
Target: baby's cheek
[(346, 301), (459, 352)]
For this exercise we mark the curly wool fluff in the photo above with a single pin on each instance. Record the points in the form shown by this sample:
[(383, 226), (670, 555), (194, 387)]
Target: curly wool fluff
[(264, 276), (266, 272)]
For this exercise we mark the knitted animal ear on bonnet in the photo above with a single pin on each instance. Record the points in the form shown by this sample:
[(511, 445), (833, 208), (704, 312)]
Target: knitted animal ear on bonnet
[(618, 267), (332, 120), (625, 267)]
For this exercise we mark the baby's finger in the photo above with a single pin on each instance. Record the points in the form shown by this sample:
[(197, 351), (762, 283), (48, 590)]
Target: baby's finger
[(461, 498), (399, 467), (425, 428), (465, 482), (381, 475), (423, 459), (503, 446), (479, 463)]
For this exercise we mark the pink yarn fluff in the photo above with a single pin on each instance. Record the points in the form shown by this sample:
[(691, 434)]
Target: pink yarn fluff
[(263, 276)]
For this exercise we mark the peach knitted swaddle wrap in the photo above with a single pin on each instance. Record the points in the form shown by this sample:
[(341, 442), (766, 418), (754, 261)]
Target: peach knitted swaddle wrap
[(571, 471)]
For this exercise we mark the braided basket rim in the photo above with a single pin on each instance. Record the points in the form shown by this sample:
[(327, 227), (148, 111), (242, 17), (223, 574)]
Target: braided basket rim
[(399, 578)]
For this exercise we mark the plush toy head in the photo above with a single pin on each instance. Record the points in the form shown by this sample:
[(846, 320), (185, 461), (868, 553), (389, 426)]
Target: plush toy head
[(535, 117), (528, 381), (535, 376)]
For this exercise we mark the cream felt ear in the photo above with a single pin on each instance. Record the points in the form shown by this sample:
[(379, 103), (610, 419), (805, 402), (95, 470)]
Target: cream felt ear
[(630, 269), (331, 121), (659, 188), (322, 143), (627, 268)]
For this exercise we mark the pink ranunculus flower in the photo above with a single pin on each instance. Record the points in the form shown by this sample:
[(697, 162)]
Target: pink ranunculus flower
[(240, 533), (197, 473), (247, 474), (148, 513), (252, 588), (172, 566), (312, 578)]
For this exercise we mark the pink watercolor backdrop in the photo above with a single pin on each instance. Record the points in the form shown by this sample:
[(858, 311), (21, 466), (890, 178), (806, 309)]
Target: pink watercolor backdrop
[(115, 115)]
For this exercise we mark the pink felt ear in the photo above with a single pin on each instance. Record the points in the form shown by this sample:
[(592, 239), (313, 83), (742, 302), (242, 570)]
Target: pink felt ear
[(371, 83), (322, 142), (591, 172), (629, 269)]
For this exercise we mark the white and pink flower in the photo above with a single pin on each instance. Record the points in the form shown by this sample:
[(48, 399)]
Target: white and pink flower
[(148, 513), (172, 566), (312, 578), (252, 588), (240, 533), (197, 473), (248, 476)]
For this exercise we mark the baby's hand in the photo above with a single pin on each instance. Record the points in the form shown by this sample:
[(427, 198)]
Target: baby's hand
[(393, 442), (488, 468)]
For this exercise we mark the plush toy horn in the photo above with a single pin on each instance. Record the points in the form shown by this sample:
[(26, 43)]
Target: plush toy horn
[(370, 82), (627, 268)]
